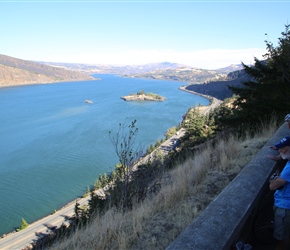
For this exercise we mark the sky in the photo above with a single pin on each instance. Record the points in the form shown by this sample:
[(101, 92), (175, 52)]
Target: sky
[(202, 34)]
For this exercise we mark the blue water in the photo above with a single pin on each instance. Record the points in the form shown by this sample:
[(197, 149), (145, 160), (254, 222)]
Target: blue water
[(53, 144)]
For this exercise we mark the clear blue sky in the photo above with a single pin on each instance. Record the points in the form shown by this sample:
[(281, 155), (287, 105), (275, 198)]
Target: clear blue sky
[(203, 34)]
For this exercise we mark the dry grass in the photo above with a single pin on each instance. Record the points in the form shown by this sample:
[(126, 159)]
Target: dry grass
[(185, 193)]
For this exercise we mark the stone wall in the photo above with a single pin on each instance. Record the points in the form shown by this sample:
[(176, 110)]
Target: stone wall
[(221, 224)]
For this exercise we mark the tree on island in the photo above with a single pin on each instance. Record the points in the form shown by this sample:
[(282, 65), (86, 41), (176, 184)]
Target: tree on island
[(141, 92)]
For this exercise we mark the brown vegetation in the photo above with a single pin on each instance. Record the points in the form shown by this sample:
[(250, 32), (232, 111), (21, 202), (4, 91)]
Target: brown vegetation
[(186, 191), (15, 71)]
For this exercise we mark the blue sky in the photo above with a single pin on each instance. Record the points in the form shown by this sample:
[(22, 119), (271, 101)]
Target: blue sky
[(202, 34)]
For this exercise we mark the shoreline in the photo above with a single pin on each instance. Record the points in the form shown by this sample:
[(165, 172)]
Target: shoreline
[(183, 88), (215, 102), (41, 83)]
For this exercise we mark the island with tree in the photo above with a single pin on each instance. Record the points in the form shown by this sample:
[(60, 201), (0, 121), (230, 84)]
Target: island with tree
[(142, 96)]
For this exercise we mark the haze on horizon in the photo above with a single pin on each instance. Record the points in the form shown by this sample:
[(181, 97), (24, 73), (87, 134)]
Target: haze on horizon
[(201, 34)]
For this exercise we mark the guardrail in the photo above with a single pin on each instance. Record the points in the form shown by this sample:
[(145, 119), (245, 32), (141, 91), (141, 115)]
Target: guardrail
[(223, 222)]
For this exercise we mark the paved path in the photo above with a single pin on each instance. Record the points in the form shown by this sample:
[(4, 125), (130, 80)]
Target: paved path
[(40, 228), (22, 239)]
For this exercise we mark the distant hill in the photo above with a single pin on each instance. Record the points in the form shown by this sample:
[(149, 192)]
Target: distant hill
[(162, 71), (187, 74), (116, 69), (14, 71), (208, 82), (183, 74), (231, 68), (219, 89)]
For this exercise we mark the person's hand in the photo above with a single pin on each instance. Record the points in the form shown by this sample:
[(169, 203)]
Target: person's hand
[(274, 176), (273, 147)]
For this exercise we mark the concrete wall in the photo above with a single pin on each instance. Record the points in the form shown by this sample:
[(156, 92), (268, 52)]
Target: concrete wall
[(220, 225)]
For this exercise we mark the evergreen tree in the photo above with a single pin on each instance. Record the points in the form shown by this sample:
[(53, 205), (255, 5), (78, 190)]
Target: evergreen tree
[(23, 225), (113, 176), (268, 91)]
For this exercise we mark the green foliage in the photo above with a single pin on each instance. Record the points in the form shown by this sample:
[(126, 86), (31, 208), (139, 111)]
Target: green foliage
[(199, 127), (268, 91), (149, 94), (221, 114), (150, 149), (101, 182), (87, 193), (170, 132), (127, 152), (97, 184), (159, 157), (96, 204), (155, 96), (113, 176), (23, 225), (81, 213)]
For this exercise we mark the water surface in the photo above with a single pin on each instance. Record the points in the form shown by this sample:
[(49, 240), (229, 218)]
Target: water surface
[(53, 145)]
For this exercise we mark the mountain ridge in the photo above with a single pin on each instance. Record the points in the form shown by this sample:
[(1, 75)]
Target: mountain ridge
[(14, 71), (136, 69)]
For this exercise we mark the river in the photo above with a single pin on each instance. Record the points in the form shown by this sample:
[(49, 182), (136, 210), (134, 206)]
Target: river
[(53, 144)]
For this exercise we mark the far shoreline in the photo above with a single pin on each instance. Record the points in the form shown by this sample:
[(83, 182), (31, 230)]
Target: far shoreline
[(42, 83)]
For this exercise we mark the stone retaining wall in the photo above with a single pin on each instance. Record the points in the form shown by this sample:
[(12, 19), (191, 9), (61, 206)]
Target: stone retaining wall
[(220, 225)]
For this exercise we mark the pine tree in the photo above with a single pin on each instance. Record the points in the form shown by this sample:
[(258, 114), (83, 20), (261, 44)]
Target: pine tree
[(23, 225), (268, 91)]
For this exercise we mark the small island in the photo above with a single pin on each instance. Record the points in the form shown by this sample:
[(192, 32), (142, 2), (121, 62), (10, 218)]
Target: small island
[(142, 96)]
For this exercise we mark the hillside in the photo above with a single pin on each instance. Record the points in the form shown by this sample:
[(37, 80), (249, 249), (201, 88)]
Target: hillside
[(14, 71), (219, 89), (187, 74), (159, 219), (209, 82), (116, 69), (183, 74)]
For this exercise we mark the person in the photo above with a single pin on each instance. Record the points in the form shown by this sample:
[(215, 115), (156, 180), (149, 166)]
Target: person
[(281, 183), (279, 157), (287, 119)]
